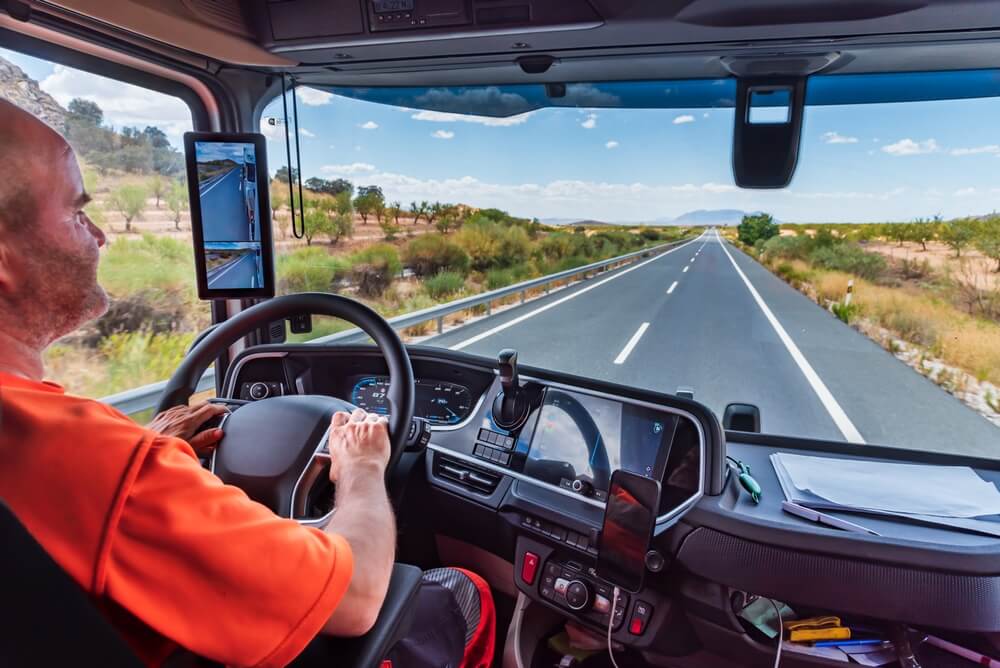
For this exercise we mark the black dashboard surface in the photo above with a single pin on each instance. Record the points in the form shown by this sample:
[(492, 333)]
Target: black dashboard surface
[(913, 573)]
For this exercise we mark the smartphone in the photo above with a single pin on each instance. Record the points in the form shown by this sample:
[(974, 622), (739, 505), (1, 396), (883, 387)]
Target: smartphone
[(629, 518)]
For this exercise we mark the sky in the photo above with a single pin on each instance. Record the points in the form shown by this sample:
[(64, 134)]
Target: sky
[(857, 163), (209, 151)]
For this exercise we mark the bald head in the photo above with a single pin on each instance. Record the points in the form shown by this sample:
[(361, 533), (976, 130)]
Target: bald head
[(27, 145)]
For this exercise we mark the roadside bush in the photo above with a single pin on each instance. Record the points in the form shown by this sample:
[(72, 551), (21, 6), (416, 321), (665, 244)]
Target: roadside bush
[(444, 284), (374, 269), (309, 270), (491, 245), (139, 358), (155, 314), (788, 248), (756, 226), (558, 245), (616, 242), (430, 254), (650, 234), (845, 312), (153, 265), (850, 258), (514, 246), (501, 278)]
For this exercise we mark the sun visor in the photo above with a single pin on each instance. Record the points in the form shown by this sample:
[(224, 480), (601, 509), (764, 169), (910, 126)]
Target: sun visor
[(766, 131)]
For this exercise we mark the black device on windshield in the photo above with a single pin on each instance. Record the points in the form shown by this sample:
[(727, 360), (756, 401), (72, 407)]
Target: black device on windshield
[(629, 518), (230, 214)]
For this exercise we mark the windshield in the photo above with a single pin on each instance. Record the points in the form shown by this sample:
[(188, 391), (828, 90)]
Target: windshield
[(859, 304)]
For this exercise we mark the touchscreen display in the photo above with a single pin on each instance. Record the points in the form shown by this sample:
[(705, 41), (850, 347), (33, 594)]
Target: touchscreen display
[(232, 239), (587, 437)]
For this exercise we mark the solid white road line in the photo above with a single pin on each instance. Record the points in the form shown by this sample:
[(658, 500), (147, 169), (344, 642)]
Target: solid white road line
[(623, 355), (673, 285), (541, 309), (840, 418), (227, 268), (684, 271), (202, 193)]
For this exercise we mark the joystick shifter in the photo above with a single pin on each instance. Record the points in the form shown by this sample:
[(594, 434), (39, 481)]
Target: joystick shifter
[(510, 408)]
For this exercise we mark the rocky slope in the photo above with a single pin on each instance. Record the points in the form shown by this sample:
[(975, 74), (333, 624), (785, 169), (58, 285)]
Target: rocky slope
[(20, 89)]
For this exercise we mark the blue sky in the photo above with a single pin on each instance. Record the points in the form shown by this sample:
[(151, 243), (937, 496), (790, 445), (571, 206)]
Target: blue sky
[(857, 163)]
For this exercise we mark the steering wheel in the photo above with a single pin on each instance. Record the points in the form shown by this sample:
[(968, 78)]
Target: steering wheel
[(268, 444)]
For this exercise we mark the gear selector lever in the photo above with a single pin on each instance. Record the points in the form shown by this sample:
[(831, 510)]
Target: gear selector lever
[(510, 408)]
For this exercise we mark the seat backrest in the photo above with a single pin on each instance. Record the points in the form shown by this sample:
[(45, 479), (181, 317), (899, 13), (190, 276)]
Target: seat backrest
[(46, 618)]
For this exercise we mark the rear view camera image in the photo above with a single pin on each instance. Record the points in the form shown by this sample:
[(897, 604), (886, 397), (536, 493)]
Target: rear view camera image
[(230, 214)]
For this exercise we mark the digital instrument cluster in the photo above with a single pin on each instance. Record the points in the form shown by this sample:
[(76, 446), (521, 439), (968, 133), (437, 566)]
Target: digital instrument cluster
[(438, 402)]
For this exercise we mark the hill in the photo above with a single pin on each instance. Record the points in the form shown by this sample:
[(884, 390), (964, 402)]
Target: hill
[(20, 89)]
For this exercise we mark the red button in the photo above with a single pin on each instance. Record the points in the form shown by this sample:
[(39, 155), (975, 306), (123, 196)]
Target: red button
[(528, 567), (635, 628)]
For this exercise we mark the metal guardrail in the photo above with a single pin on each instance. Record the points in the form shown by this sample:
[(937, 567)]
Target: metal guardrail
[(144, 398)]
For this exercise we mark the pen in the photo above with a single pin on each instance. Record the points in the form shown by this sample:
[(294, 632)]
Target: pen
[(958, 650), (823, 518), (856, 641)]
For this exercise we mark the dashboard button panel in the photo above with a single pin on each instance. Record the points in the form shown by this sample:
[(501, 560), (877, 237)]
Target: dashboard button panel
[(577, 592)]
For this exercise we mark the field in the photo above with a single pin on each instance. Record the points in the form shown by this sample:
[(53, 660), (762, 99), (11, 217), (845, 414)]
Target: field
[(395, 260), (934, 309)]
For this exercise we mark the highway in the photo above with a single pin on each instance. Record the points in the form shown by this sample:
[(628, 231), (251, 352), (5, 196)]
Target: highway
[(223, 208), (706, 316), (238, 273)]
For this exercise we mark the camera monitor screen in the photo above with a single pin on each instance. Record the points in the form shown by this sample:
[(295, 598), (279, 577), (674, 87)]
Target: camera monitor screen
[(230, 215)]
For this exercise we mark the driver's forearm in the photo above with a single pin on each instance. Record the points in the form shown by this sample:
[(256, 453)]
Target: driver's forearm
[(364, 518)]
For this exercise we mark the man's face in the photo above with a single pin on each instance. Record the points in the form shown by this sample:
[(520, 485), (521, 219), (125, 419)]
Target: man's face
[(53, 257)]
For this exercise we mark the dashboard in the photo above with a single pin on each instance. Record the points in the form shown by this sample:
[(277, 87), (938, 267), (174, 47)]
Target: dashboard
[(534, 496)]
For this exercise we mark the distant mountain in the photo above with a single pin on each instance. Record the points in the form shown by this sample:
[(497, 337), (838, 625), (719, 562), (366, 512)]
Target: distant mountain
[(576, 221), (709, 217)]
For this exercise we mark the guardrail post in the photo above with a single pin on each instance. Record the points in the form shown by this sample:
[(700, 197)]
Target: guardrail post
[(523, 295), (489, 307), (440, 324)]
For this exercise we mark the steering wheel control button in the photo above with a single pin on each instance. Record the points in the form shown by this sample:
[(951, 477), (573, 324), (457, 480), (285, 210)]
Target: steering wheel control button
[(583, 487), (577, 595), (257, 390), (529, 568)]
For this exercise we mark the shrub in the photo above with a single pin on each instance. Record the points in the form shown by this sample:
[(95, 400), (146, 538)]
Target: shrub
[(501, 278), (374, 269), (756, 226), (444, 284), (788, 248), (650, 234), (559, 245), (309, 270), (153, 265), (432, 253), (491, 245), (849, 258), (139, 358), (514, 246), (845, 312)]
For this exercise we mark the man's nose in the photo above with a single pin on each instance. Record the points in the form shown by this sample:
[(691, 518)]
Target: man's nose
[(97, 232)]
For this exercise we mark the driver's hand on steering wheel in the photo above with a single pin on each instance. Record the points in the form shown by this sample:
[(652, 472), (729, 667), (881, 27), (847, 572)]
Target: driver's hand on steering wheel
[(358, 441), (183, 422)]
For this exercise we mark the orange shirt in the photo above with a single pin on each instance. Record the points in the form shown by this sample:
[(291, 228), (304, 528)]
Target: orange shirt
[(171, 554)]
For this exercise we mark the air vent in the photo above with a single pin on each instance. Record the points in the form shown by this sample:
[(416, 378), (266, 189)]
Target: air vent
[(471, 477), (223, 14)]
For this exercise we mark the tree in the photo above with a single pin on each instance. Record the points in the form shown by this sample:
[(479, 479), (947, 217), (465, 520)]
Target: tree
[(369, 201), (958, 234), (897, 232), (921, 231), (449, 218), (757, 226), (129, 200), (433, 211), (988, 238), (177, 201), (85, 112), (395, 210), (389, 228), (156, 137), (157, 188), (282, 175), (317, 221), (418, 210)]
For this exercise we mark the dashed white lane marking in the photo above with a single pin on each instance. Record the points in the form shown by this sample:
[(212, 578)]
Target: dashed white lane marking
[(541, 309), (623, 355), (671, 288), (826, 397), (684, 271)]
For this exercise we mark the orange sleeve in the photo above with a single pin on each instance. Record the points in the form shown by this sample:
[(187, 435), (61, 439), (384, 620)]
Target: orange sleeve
[(219, 574)]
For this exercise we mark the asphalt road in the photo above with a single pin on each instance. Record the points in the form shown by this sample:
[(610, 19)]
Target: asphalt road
[(707, 316), (223, 211), (238, 273)]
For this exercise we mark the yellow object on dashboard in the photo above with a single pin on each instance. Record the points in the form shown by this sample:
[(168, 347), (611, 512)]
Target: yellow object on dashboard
[(829, 621), (812, 635)]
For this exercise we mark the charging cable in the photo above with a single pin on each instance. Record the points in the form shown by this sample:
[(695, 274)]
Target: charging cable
[(611, 623), (781, 634)]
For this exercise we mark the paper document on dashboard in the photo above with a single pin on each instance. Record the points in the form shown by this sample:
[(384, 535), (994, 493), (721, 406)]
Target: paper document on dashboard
[(887, 487)]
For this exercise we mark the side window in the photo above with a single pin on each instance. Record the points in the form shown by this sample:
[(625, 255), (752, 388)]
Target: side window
[(128, 142)]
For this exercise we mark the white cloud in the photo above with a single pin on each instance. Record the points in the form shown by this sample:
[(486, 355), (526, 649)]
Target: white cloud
[(443, 134), (369, 125), (837, 138), (589, 95), (306, 133), (348, 170), (123, 104), (312, 97), (851, 194), (975, 150), (611, 144), (965, 192), (486, 101), (447, 117), (909, 147), (705, 115), (683, 118), (590, 122)]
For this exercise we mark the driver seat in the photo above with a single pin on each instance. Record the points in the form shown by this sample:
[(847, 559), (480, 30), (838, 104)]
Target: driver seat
[(48, 620)]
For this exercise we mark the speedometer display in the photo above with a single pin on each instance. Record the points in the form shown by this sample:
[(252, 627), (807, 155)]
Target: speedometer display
[(438, 402)]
